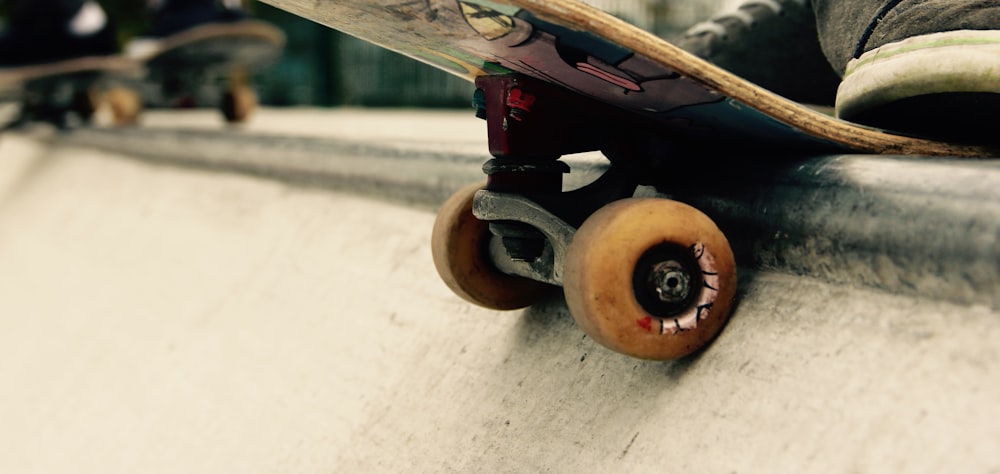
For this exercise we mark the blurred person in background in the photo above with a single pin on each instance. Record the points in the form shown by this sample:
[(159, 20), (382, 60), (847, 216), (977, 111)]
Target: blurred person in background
[(51, 31)]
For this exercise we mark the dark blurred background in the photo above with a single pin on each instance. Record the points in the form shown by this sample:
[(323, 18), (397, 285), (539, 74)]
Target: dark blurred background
[(322, 67)]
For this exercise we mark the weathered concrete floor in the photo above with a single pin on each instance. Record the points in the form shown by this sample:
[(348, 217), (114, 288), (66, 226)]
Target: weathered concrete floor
[(162, 319)]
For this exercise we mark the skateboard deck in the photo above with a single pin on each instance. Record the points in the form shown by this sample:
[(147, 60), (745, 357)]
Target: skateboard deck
[(587, 51), (55, 92), (647, 277), (210, 65)]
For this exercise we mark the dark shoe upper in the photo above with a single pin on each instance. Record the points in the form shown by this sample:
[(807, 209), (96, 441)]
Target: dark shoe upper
[(50, 39), (772, 43), (850, 28)]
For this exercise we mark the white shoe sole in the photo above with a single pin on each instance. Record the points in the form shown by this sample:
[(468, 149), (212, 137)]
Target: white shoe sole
[(948, 62)]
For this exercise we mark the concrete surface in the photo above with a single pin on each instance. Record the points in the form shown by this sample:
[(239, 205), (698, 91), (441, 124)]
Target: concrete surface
[(196, 318), (911, 226)]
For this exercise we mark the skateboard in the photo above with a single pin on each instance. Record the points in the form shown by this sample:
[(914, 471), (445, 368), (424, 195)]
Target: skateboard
[(210, 65), (647, 277), (62, 92)]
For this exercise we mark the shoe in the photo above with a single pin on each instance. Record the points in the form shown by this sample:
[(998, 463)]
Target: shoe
[(922, 67), (772, 43), (45, 39)]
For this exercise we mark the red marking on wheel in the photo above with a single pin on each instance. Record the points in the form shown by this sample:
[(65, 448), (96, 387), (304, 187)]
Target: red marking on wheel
[(645, 323)]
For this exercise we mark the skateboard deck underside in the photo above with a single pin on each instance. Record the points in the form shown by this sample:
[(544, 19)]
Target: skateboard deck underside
[(199, 66), (586, 51), (246, 46)]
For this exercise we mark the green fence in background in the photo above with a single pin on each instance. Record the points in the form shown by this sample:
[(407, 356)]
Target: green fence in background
[(324, 67)]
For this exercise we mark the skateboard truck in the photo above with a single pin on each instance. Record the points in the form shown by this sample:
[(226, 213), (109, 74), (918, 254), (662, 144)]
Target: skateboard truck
[(531, 124)]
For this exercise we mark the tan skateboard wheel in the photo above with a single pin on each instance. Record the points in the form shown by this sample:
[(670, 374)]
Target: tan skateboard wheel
[(125, 105), (460, 247), (238, 103), (650, 278)]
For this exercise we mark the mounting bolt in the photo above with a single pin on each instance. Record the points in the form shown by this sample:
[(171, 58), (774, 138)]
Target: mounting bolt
[(671, 281), (479, 103)]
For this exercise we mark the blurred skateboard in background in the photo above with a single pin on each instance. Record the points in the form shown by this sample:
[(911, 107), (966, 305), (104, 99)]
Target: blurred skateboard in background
[(70, 92), (208, 66)]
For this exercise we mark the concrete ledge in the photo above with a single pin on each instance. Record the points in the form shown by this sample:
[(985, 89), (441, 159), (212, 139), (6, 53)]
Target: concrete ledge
[(911, 226)]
